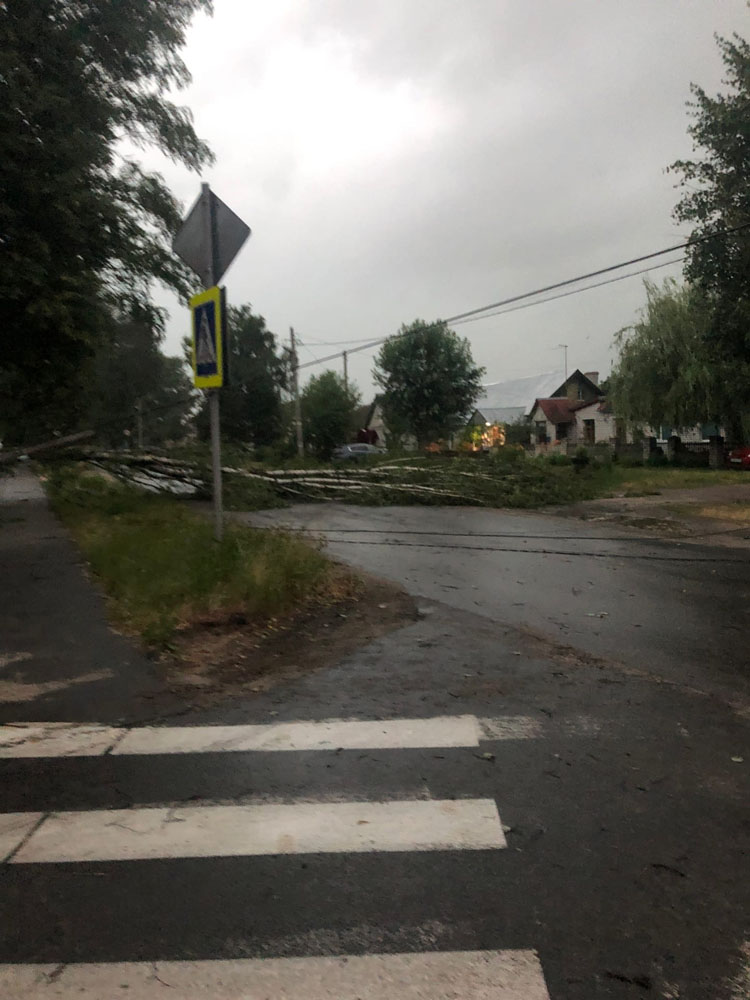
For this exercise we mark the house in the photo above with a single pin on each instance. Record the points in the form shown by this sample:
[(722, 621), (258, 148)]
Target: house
[(596, 424), (553, 420), (579, 387), (370, 427), (577, 413)]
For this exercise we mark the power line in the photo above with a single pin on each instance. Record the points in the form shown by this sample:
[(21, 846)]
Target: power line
[(339, 343), (601, 270), (574, 291), (303, 344), (549, 288), (515, 308)]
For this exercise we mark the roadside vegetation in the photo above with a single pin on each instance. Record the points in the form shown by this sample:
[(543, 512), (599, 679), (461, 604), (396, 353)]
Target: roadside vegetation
[(641, 480), (506, 477), (163, 572)]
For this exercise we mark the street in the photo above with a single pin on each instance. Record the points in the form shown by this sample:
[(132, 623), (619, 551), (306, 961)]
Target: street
[(538, 789)]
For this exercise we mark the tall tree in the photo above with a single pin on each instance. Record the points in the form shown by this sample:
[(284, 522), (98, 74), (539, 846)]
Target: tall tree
[(83, 232), (328, 412), (716, 199), (251, 410), (429, 380), (133, 384), (664, 373)]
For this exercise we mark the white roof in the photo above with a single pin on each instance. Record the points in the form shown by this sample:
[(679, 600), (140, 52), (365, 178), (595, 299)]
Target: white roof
[(519, 392), (501, 414)]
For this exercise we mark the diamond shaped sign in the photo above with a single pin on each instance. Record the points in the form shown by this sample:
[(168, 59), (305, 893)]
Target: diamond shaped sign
[(192, 242)]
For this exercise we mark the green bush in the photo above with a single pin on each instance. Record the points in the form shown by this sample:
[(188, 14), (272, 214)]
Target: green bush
[(74, 488)]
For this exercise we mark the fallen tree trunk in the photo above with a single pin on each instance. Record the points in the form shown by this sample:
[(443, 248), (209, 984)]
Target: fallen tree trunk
[(60, 442)]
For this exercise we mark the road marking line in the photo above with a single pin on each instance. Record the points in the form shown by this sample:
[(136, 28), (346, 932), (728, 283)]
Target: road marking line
[(66, 739), (471, 975), (13, 828), (510, 727), (302, 828), (332, 734), (57, 739)]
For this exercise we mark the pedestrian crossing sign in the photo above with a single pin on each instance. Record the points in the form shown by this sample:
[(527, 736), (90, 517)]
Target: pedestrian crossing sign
[(207, 311)]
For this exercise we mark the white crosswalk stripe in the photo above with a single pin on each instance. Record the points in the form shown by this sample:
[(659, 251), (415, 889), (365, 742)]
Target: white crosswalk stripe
[(225, 831), (71, 740), (481, 975), (164, 833)]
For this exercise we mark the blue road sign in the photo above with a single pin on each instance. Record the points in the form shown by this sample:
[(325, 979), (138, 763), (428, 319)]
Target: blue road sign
[(206, 309)]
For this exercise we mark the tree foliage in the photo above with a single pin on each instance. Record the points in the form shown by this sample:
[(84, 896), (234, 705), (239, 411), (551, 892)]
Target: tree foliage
[(132, 380), (328, 412), (664, 373), (251, 409), (83, 232), (429, 380), (716, 199)]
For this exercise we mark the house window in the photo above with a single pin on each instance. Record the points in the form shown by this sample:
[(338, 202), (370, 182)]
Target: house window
[(541, 431), (579, 392), (562, 432), (589, 431)]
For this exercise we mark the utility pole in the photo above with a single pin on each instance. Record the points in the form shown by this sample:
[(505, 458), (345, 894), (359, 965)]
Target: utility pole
[(295, 390), (565, 352), (346, 371), (139, 421), (213, 394)]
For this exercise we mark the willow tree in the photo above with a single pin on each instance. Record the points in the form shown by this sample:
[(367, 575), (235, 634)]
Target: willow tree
[(716, 201), (664, 372)]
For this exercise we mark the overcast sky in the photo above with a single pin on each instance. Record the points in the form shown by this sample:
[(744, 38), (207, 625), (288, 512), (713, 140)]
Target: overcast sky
[(419, 158)]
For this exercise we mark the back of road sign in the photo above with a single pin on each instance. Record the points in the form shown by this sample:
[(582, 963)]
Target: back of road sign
[(228, 233), (207, 336)]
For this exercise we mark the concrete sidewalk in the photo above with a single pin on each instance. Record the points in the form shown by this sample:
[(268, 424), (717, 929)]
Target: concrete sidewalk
[(59, 659)]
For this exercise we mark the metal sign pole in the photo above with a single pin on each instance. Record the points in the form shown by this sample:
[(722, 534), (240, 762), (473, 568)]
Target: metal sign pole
[(208, 240), (213, 394)]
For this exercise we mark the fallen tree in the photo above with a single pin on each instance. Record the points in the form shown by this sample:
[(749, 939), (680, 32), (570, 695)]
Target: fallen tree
[(512, 480)]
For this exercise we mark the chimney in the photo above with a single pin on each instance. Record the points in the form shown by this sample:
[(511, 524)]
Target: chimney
[(593, 376)]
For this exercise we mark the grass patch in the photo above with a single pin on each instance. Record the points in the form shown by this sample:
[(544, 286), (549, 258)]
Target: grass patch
[(647, 481), (162, 570)]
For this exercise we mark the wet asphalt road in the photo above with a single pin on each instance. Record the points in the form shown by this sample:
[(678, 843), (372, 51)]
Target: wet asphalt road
[(679, 611), (624, 805)]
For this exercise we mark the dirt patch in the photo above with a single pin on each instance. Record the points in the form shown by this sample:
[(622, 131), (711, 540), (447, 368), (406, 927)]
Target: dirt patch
[(17, 690), (739, 512), (219, 660), (715, 515)]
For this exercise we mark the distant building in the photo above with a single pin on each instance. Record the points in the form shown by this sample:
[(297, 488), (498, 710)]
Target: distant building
[(516, 394), (576, 413)]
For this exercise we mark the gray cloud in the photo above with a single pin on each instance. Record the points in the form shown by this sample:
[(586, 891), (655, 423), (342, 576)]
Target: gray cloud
[(399, 159)]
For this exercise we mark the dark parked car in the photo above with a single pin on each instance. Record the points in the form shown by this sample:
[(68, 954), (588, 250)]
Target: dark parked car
[(739, 458), (356, 452)]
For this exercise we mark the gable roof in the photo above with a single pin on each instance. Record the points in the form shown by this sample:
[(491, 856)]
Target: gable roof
[(602, 405), (560, 409), (363, 414), (577, 376)]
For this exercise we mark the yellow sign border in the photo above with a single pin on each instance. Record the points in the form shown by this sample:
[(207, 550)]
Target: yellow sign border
[(209, 381)]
